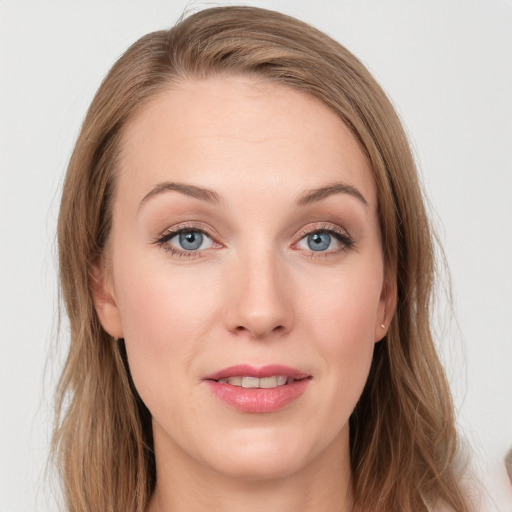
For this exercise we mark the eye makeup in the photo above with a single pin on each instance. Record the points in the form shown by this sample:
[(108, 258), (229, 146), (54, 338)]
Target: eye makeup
[(181, 231), (314, 241)]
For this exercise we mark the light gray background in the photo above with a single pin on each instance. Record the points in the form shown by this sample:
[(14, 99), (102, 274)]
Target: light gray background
[(446, 64)]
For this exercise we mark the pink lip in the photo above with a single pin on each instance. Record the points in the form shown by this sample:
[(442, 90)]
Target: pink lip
[(257, 400), (252, 371)]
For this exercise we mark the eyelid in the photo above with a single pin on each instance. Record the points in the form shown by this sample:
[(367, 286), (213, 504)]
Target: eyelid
[(169, 233), (338, 232), (189, 226), (324, 227)]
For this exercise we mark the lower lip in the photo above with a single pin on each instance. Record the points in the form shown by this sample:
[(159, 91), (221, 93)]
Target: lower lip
[(258, 400)]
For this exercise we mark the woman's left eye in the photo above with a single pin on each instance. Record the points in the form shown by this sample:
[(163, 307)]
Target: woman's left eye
[(324, 241)]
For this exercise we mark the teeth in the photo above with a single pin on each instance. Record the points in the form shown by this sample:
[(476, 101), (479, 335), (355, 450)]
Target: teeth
[(268, 382), (250, 382), (254, 382), (281, 380)]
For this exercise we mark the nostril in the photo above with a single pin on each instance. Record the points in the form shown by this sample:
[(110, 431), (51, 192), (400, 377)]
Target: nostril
[(259, 331), (257, 314)]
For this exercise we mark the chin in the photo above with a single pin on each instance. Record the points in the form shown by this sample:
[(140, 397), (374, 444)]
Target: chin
[(261, 458), (260, 468)]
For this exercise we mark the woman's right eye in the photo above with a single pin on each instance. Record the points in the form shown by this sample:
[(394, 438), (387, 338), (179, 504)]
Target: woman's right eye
[(191, 241), (185, 242)]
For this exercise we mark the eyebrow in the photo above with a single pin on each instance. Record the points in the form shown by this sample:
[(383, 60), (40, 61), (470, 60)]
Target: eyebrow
[(204, 194), (210, 196), (317, 194)]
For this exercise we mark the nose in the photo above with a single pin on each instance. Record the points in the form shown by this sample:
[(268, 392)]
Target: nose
[(259, 301)]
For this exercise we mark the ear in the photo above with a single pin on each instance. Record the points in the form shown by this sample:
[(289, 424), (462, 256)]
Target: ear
[(387, 307), (104, 300)]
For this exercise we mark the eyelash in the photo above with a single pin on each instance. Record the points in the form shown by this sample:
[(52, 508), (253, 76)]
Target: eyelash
[(339, 234), (343, 237), (168, 235)]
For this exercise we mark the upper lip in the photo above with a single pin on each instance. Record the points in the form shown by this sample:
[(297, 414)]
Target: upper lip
[(246, 370)]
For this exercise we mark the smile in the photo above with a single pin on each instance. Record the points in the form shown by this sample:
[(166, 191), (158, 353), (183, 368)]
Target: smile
[(258, 390), (255, 382)]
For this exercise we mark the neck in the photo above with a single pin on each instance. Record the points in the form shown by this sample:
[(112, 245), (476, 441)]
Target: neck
[(322, 485)]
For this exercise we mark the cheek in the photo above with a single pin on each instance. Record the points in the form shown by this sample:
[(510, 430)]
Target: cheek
[(159, 302), (343, 319), (165, 318), (345, 305), (348, 345)]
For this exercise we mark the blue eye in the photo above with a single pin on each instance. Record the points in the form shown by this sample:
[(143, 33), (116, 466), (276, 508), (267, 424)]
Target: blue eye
[(319, 241), (191, 240), (325, 240), (188, 240)]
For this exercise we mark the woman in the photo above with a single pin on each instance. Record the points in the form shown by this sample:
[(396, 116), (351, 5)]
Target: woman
[(247, 267)]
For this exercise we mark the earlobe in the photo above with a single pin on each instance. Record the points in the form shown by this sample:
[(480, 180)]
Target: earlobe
[(104, 300), (387, 307)]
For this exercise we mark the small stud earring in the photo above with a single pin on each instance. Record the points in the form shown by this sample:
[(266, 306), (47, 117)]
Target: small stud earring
[(383, 326)]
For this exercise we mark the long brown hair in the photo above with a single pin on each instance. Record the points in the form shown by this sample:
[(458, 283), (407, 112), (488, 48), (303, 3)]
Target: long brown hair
[(402, 437)]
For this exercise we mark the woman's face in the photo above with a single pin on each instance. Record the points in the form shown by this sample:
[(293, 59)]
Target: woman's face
[(246, 275)]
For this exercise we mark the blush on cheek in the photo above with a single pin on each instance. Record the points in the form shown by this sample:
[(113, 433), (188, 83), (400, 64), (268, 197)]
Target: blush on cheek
[(164, 317)]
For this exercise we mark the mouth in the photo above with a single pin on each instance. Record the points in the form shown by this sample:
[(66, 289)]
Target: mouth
[(258, 383), (268, 376), (258, 390)]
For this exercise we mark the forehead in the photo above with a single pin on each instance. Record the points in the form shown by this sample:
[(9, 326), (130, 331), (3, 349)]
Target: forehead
[(230, 132)]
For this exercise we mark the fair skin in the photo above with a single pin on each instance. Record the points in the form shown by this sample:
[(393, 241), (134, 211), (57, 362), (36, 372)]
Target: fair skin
[(265, 272)]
